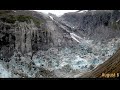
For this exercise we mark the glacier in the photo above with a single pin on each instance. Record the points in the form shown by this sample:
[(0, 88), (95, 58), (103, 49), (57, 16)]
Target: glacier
[(83, 57), (3, 72)]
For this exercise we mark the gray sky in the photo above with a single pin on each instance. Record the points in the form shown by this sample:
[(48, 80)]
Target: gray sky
[(56, 12)]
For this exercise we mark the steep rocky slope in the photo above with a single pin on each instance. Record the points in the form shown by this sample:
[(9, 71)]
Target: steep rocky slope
[(95, 25), (25, 31)]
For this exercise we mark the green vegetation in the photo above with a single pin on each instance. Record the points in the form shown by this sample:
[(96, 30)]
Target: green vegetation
[(5, 11), (5, 16), (115, 25), (22, 18), (8, 19)]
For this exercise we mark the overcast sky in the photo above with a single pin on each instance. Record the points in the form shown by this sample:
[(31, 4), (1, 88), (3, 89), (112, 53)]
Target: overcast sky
[(56, 12)]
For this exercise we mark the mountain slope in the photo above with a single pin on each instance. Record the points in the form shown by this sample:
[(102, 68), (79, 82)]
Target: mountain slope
[(96, 25)]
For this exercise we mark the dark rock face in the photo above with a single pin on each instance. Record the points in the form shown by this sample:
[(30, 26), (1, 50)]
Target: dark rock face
[(94, 23), (16, 36), (24, 36)]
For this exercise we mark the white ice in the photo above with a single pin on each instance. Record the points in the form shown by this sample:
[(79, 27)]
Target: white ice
[(3, 72), (75, 37), (51, 17)]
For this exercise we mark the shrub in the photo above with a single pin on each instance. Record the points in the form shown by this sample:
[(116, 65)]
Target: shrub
[(22, 18), (9, 18)]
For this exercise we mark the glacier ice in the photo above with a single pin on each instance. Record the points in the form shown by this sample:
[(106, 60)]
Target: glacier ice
[(78, 59), (83, 57), (3, 72)]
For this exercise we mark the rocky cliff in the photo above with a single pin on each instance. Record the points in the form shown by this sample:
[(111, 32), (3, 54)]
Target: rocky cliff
[(94, 24), (24, 32)]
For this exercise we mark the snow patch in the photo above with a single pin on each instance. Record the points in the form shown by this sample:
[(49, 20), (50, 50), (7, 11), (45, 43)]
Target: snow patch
[(75, 37), (51, 17), (83, 11)]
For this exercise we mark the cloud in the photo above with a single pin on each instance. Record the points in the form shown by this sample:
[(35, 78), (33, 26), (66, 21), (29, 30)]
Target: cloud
[(56, 12)]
